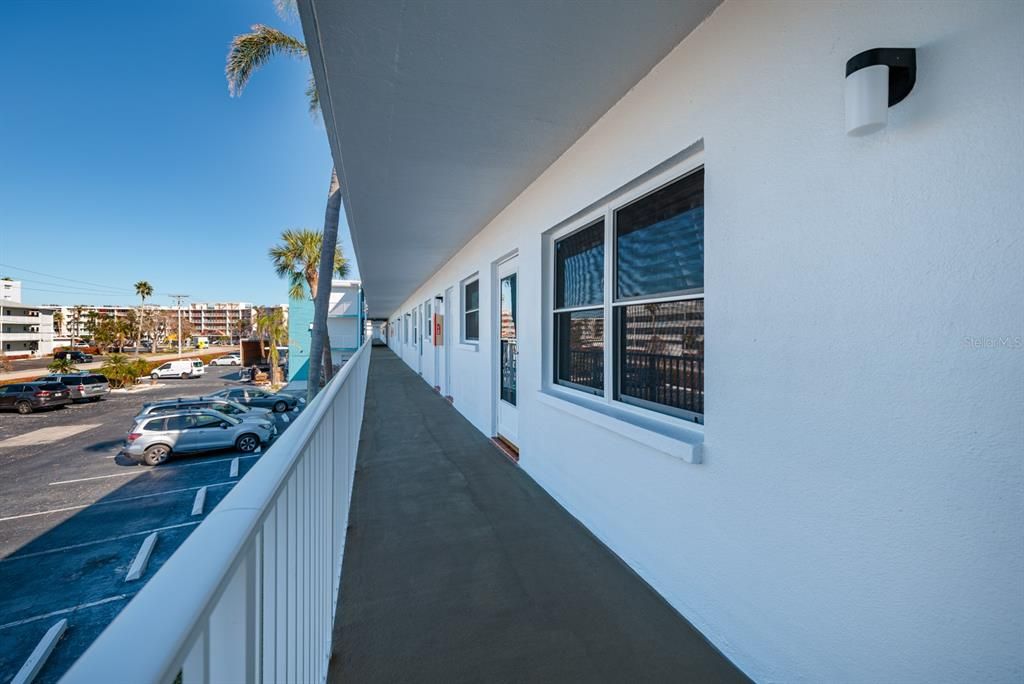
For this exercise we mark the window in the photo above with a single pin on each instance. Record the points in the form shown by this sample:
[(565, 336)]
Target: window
[(406, 335), (579, 310), (177, 422), (428, 320), (206, 421), (471, 311), (654, 323)]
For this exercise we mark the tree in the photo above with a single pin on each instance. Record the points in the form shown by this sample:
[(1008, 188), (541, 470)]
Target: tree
[(270, 326), (248, 52), (62, 365), (58, 322), (143, 289), (76, 323)]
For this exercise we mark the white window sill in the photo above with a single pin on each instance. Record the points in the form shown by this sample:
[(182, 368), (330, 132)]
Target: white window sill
[(682, 442), (469, 346)]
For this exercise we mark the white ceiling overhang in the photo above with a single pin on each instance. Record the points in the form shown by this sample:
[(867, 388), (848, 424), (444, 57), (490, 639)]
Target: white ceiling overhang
[(440, 112)]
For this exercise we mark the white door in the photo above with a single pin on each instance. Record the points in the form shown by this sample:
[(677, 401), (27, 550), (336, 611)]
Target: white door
[(508, 293), (419, 340), (449, 294)]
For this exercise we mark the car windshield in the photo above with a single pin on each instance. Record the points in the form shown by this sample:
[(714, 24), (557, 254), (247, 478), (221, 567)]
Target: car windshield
[(230, 419), (237, 408)]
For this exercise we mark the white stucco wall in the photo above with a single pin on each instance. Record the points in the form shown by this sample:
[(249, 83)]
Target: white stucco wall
[(857, 517)]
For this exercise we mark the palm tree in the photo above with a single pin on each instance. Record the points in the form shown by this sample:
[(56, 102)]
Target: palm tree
[(297, 258), (58, 322), (76, 322), (143, 289), (248, 52), (271, 326)]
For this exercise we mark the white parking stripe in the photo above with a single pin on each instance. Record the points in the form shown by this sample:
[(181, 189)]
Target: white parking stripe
[(141, 558), (197, 505), (112, 501), (40, 653), (119, 537), (46, 435), (285, 418), (234, 468), (143, 471), (65, 611)]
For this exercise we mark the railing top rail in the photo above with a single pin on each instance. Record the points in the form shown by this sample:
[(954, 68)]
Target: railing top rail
[(172, 607)]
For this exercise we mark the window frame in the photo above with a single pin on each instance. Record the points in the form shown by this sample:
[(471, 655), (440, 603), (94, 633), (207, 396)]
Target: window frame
[(463, 284), (608, 397), (577, 227)]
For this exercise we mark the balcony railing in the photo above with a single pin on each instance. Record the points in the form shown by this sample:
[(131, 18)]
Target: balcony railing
[(250, 595)]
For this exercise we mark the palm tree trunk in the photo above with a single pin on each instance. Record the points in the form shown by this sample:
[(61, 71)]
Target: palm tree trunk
[(320, 343)]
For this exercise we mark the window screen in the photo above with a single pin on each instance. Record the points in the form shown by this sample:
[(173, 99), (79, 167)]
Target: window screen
[(660, 241), (579, 268), (471, 311)]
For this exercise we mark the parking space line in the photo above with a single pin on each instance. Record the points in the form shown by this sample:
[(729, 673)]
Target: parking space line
[(234, 468), (40, 653), (150, 470), (138, 565), (119, 537), (112, 501), (65, 611), (197, 505)]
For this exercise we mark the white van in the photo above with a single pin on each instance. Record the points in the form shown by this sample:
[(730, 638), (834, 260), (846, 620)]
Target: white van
[(184, 368)]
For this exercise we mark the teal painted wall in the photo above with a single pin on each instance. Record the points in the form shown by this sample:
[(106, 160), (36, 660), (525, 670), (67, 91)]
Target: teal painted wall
[(300, 315)]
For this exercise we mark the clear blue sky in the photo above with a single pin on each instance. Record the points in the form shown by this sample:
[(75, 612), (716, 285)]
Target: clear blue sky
[(122, 158)]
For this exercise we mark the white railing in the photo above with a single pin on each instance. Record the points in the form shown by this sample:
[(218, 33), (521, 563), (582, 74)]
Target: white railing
[(250, 595)]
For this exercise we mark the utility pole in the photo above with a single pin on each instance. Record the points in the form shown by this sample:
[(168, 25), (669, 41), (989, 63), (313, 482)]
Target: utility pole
[(179, 297)]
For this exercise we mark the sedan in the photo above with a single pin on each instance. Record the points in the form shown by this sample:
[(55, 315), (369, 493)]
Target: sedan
[(253, 396), (229, 360)]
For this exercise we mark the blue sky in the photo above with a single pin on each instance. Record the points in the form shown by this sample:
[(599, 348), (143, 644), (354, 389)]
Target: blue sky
[(122, 158)]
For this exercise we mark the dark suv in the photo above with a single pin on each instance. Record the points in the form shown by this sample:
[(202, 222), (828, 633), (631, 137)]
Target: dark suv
[(26, 397), (76, 356), (83, 386)]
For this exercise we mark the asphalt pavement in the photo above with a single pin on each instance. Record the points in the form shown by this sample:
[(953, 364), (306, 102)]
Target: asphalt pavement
[(73, 514)]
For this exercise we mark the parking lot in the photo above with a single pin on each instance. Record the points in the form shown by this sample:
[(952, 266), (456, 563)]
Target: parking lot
[(73, 514)]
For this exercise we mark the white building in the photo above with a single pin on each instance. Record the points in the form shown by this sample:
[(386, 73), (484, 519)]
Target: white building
[(590, 193), (345, 319), (26, 330), (776, 368)]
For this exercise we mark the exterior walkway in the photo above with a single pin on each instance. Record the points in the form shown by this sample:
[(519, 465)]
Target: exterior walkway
[(459, 568)]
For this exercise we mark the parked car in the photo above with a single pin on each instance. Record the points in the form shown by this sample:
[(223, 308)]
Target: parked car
[(74, 354), (26, 397), (83, 386), (229, 360), (153, 440), (221, 405), (182, 368), (252, 396)]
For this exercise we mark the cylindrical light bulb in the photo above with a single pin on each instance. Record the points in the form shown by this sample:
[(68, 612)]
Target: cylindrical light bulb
[(867, 100)]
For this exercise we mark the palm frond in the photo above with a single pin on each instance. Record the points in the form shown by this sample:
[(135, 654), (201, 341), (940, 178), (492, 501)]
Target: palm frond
[(250, 51), (286, 9), (313, 95)]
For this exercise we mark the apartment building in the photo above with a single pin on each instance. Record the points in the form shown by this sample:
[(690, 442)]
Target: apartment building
[(26, 330)]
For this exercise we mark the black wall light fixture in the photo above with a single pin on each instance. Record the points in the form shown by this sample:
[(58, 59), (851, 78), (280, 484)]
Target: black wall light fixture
[(876, 80)]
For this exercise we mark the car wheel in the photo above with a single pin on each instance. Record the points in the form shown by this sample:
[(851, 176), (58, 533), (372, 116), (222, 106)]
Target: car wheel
[(184, 376), (156, 454), (23, 407), (247, 443), (281, 407), (155, 376)]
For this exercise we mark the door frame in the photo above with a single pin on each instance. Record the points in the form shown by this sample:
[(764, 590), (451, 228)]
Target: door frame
[(494, 341)]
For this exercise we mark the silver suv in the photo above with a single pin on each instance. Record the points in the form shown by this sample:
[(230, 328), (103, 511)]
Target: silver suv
[(153, 439), (225, 406), (83, 386)]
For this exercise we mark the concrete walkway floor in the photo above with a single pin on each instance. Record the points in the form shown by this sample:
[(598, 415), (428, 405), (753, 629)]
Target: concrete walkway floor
[(459, 568)]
